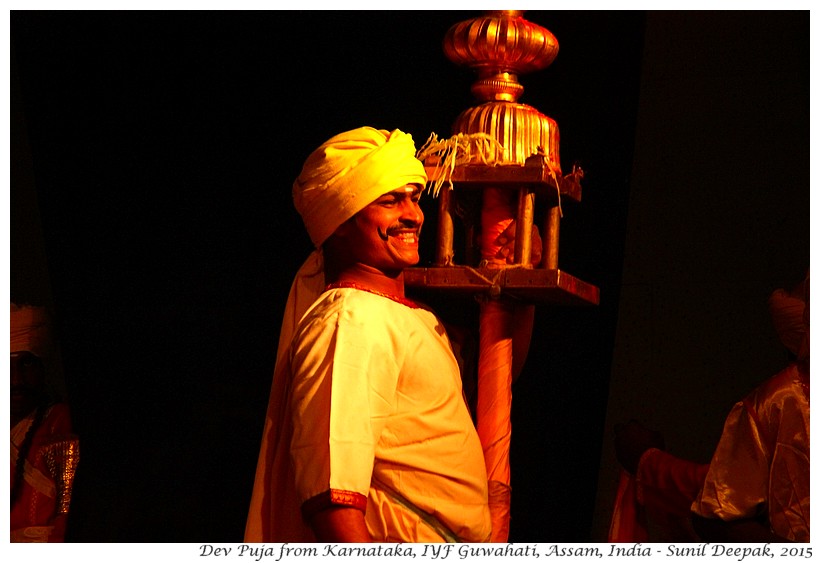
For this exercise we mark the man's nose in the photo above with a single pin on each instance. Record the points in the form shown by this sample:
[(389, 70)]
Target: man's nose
[(411, 211)]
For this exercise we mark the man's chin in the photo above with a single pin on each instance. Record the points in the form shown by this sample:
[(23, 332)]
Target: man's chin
[(413, 262)]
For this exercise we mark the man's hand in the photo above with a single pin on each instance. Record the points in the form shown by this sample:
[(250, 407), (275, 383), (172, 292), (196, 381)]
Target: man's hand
[(340, 524), (632, 440), (745, 530)]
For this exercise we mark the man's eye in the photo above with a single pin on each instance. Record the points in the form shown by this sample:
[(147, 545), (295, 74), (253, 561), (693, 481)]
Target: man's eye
[(27, 362)]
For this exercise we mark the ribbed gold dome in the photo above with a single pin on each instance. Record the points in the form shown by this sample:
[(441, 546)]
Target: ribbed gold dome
[(520, 129), (500, 45)]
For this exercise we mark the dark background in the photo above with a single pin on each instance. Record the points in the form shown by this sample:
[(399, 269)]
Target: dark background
[(154, 152)]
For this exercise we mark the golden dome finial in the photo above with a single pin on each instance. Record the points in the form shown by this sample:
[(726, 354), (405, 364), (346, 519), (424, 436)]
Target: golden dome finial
[(500, 45)]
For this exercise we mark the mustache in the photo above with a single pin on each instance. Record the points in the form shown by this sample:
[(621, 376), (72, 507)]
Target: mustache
[(385, 234)]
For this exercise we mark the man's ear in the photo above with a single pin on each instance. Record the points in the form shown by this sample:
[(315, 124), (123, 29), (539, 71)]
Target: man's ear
[(337, 243), (343, 230)]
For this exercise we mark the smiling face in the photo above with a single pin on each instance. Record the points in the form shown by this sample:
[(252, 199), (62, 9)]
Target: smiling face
[(384, 236)]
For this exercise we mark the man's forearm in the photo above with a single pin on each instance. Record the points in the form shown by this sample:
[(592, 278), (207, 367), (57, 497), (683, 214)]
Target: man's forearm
[(340, 524)]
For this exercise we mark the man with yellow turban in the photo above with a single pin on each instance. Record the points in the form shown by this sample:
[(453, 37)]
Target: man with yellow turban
[(367, 435)]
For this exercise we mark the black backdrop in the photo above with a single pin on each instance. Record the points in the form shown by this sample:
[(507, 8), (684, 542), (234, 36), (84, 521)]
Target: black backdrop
[(162, 146)]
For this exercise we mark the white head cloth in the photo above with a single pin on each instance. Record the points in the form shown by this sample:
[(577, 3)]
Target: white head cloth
[(29, 330), (787, 310)]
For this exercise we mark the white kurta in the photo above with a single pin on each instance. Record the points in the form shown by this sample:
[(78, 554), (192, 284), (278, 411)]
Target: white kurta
[(374, 414), (761, 464)]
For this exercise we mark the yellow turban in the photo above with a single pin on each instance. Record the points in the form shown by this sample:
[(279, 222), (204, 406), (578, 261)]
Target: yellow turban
[(29, 330), (348, 172)]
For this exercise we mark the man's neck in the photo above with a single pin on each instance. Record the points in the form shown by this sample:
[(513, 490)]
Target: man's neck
[(370, 278)]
